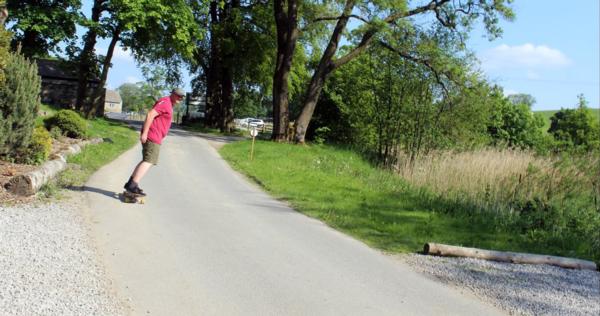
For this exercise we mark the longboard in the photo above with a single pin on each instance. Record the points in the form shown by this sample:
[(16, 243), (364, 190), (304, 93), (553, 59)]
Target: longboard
[(129, 197)]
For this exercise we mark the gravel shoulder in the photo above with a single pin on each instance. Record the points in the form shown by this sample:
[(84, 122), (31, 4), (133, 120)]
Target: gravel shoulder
[(519, 289), (49, 264)]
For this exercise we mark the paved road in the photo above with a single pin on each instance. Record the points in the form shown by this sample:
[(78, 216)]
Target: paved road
[(208, 242)]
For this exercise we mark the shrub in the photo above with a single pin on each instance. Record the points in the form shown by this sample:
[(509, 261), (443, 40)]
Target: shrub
[(69, 122), (39, 148), (56, 132), (576, 129), (19, 103)]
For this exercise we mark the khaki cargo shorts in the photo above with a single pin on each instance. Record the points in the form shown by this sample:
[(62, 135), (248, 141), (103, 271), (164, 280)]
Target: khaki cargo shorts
[(150, 152)]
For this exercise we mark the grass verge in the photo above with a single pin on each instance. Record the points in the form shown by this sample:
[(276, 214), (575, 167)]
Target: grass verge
[(378, 207), (117, 139)]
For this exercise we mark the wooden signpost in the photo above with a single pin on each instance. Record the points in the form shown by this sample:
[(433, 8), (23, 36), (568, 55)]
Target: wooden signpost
[(253, 133)]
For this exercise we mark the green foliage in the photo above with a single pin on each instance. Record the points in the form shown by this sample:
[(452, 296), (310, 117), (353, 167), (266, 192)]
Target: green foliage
[(69, 122), (39, 148), (5, 37), (40, 25), (56, 132), (521, 98), (19, 103), (388, 105), (575, 129), (514, 124)]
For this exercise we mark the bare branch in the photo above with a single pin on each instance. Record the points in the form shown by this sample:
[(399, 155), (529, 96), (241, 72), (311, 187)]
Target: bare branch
[(333, 18)]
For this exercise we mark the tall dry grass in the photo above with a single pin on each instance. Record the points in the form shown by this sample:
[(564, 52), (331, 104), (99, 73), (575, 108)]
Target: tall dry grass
[(497, 178)]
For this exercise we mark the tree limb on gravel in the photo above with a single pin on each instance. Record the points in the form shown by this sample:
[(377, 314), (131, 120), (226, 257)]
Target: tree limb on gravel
[(512, 257)]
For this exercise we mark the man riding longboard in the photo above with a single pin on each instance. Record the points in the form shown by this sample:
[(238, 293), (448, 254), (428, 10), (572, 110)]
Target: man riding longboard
[(155, 129)]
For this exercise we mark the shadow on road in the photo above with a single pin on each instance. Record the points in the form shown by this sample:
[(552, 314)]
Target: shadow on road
[(111, 194)]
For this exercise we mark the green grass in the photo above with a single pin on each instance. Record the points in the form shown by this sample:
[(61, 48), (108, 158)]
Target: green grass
[(548, 114), (375, 206), (117, 139), (45, 111)]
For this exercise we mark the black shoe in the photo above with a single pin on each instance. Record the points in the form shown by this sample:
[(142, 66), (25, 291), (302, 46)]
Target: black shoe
[(132, 187), (136, 190)]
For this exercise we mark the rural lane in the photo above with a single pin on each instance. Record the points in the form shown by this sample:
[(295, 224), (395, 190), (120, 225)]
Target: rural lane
[(209, 242)]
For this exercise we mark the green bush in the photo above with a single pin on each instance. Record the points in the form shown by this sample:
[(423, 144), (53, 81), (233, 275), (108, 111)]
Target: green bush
[(39, 148), (56, 132), (575, 129), (69, 122), (19, 103)]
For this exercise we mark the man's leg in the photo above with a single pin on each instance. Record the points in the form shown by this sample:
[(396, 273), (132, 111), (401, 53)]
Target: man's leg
[(140, 170)]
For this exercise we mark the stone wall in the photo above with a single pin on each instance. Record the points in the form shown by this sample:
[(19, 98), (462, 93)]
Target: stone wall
[(62, 92)]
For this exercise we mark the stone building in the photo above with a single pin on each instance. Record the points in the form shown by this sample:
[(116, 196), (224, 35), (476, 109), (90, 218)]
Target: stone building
[(59, 83), (113, 102)]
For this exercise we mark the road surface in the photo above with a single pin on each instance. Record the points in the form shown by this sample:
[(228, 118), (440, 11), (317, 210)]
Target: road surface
[(209, 242)]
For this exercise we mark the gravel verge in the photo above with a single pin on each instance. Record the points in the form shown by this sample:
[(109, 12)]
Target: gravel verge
[(519, 289), (48, 264)]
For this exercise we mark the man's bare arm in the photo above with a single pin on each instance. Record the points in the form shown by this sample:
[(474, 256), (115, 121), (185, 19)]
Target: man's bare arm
[(149, 118)]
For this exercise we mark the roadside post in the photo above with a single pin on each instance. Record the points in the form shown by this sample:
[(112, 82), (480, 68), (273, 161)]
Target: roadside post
[(253, 133)]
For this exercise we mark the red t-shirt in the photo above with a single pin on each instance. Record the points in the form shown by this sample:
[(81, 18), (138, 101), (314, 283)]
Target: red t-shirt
[(162, 122)]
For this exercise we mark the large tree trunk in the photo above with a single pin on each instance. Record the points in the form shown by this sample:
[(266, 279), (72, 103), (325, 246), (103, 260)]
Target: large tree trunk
[(287, 35), (98, 100), (229, 60), (213, 78), (226, 118), (326, 66), (512, 257), (86, 61)]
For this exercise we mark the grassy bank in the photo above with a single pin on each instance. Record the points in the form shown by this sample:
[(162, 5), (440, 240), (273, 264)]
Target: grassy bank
[(381, 208), (117, 139)]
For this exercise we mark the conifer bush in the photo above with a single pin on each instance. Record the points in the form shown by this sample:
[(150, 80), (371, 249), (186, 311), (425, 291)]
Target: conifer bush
[(19, 104), (70, 123)]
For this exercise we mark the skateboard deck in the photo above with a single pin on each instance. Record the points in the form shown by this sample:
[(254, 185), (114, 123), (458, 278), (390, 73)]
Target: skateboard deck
[(129, 197)]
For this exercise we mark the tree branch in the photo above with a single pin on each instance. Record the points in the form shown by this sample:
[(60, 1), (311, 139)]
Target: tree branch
[(330, 18), (368, 36), (422, 61)]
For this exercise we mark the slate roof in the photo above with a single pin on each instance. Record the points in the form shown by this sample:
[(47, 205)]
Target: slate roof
[(58, 69), (112, 96)]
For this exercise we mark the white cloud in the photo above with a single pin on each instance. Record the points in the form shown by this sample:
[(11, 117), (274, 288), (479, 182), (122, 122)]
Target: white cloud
[(527, 56), (508, 92)]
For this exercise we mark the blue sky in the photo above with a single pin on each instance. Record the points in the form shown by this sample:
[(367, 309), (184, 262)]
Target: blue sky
[(551, 51)]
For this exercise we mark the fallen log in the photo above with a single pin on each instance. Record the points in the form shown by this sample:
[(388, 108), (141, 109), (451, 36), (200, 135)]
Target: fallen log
[(29, 183), (512, 257)]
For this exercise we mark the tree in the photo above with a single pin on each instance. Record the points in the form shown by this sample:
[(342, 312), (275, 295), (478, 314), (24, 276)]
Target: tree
[(576, 128), (155, 30), (450, 18), (39, 25), (131, 94), (286, 19), (513, 123), (522, 98)]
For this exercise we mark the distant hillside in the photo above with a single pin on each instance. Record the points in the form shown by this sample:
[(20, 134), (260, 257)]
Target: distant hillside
[(548, 114)]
